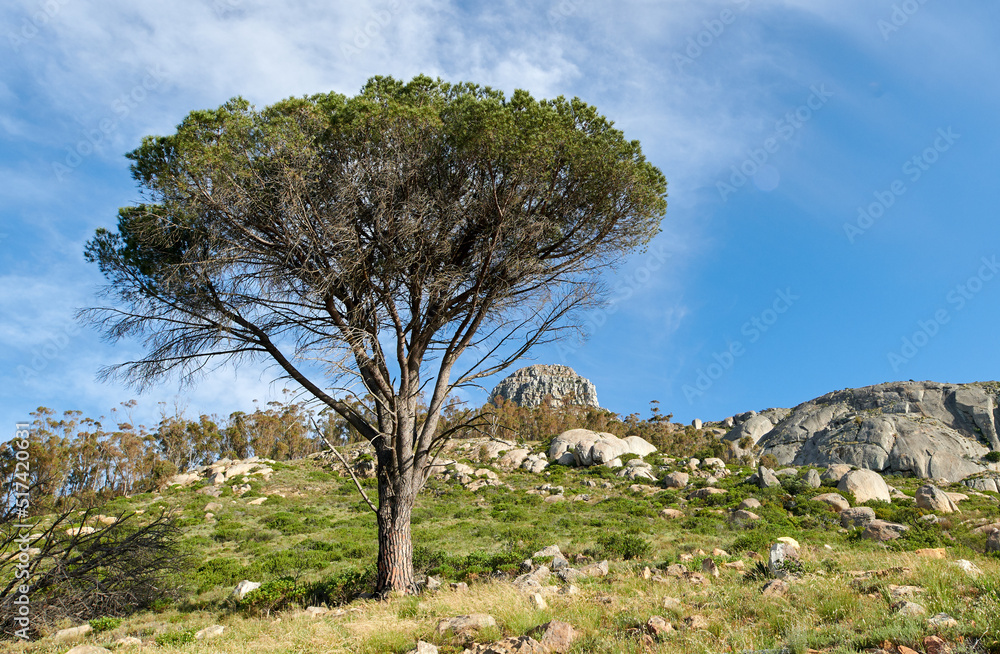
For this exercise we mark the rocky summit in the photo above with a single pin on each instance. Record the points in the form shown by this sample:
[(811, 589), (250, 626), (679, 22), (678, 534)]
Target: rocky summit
[(532, 385), (927, 429)]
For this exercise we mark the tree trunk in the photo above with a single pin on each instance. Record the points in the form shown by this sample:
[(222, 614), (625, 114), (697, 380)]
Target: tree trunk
[(395, 546)]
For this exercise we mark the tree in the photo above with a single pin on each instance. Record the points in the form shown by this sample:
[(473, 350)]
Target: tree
[(398, 244)]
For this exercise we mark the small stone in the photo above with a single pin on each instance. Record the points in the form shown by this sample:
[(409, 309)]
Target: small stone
[(775, 588), (557, 636), (466, 624), (72, 633), (932, 553), (596, 569), (671, 514), (910, 609), (538, 602), (942, 621), (935, 645), (741, 515), (433, 583), (210, 632), (969, 568), (673, 604), (709, 567), (658, 626), (647, 574), (903, 649), (89, 649), (257, 502), (128, 641), (696, 622), (718, 552), (424, 648), (459, 586)]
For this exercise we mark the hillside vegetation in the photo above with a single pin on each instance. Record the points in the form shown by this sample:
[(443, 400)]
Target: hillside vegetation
[(300, 528)]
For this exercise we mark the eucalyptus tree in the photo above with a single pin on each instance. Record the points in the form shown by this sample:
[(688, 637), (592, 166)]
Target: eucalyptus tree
[(394, 246)]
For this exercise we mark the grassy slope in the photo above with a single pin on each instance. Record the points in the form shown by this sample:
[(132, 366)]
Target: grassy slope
[(321, 528)]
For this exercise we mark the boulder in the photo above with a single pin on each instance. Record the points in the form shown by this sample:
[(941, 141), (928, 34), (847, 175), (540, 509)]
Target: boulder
[(932, 498), (244, 587), (744, 437), (764, 478), (749, 503), (534, 385), (882, 530), (708, 491), (557, 636), (775, 588), (993, 542), (512, 459), (865, 485), (72, 633), (463, 625), (742, 515), (837, 502), (812, 479), (858, 516), (835, 472), (923, 428), (671, 514), (676, 480), (536, 463)]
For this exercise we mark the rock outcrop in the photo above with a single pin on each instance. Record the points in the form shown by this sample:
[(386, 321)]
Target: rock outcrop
[(924, 428), (583, 447), (530, 386)]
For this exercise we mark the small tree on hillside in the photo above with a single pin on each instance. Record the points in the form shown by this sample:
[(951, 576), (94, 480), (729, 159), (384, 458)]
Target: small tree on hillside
[(404, 242)]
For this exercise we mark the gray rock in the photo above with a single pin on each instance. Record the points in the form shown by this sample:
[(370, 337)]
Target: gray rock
[(512, 459), (466, 624), (865, 485), (993, 542), (982, 484), (934, 499), (72, 633), (744, 437), (696, 423), (244, 587), (812, 479), (529, 387), (942, 621), (881, 530), (835, 472), (749, 503), (764, 478), (676, 480), (834, 500), (858, 516), (782, 558), (924, 428), (742, 515), (424, 648), (910, 609), (207, 633)]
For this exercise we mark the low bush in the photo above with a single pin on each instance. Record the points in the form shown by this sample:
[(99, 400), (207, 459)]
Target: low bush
[(622, 546)]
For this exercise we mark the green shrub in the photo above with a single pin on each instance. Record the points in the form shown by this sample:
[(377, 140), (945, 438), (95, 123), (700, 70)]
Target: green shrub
[(342, 587), (274, 596), (218, 572), (104, 623), (287, 524), (992, 457), (622, 546)]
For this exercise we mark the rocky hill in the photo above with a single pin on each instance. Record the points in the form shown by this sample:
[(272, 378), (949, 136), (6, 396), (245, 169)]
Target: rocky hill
[(530, 386), (927, 429)]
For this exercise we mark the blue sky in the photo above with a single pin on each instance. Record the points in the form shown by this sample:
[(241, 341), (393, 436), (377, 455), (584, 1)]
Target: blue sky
[(832, 169)]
